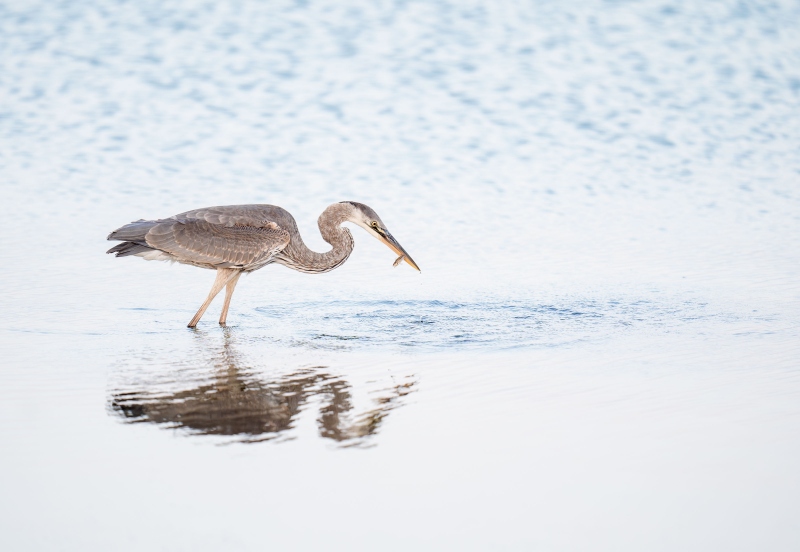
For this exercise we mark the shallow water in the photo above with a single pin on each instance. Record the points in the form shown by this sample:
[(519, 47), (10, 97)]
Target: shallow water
[(601, 351)]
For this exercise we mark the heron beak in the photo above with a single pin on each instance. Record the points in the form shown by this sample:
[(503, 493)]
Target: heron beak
[(392, 244)]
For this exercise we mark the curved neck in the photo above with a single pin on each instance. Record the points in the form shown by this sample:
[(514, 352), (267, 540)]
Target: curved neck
[(299, 257)]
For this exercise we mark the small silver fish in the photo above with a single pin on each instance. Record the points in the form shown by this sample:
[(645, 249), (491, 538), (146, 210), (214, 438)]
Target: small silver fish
[(399, 260)]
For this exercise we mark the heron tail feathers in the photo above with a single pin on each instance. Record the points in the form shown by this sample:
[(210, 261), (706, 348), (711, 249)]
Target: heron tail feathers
[(133, 232), (128, 248)]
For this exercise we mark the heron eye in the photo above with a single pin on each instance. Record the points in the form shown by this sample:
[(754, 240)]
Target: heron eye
[(374, 224)]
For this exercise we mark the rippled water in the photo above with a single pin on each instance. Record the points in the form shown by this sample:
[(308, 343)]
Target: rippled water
[(601, 351)]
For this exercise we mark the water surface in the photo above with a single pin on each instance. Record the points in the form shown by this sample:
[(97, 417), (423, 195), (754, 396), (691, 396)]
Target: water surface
[(601, 351)]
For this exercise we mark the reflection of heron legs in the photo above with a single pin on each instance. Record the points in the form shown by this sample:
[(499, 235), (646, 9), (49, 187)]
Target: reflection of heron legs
[(228, 294), (224, 275)]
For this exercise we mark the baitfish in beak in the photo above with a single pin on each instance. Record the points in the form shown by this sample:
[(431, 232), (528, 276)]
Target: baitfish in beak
[(371, 222), (392, 244), (377, 230)]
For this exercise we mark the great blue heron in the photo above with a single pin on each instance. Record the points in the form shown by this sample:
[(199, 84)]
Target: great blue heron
[(243, 238)]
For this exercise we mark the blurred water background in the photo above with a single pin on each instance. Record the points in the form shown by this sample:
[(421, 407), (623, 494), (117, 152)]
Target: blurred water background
[(602, 349)]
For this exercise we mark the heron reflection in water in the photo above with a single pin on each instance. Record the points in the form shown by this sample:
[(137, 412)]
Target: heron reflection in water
[(234, 239), (237, 403)]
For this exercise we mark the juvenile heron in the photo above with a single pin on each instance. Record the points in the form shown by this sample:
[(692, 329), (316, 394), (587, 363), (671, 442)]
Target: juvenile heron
[(242, 238)]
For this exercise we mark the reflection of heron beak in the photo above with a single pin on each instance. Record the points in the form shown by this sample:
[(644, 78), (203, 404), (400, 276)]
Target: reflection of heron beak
[(392, 244)]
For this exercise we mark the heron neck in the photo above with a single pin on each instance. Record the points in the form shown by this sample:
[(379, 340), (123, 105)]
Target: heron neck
[(330, 226)]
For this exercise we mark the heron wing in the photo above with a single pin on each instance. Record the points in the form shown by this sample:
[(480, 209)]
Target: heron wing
[(228, 242)]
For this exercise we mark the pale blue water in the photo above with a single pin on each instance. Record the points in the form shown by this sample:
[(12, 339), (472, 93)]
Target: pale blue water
[(601, 351)]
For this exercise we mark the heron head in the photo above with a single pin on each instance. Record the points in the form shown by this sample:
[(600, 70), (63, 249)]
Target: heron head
[(366, 218)]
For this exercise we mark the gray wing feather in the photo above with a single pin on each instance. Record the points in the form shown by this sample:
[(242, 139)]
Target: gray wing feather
[(206, 243), (245, 236)]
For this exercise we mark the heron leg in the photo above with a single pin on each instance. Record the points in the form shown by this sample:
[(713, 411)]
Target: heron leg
[(228, 294), (224, 275)]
